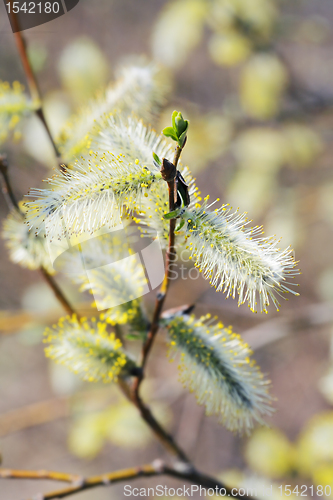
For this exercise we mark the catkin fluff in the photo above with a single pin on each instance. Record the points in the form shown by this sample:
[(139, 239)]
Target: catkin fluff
[(140, 88), (14, 105), (87, 349), (129, 136), (90, 197), (25, 248), (215, 364), (235, 259)]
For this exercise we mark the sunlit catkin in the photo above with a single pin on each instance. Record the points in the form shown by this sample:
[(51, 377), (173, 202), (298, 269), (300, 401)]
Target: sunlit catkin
[(236, 259), (90, 197), (14, 105), (25, 247), (140, 88), (215, 364), (86, 348)]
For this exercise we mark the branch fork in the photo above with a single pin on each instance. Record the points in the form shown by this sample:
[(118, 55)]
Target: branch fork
[(183, 469)]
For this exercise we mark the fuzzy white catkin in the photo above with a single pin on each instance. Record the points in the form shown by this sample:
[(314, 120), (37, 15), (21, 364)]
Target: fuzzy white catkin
[(90, 197), (119, 134), (140, 88), (14, 105), (87, 349), (25, 248), (215, 364), (236, 259), (91, 194)]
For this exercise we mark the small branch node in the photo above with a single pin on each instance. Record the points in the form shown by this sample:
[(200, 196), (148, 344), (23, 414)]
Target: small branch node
[(79, 482), (158, 465), (168, 170), (184, 467)]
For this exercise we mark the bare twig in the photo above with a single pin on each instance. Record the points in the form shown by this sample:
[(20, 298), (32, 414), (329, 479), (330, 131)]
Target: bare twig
[(170, 258), (58, 292), (39, 474), (157, 468), (32, 83), (6, 187), (161, 433), (145, 412), (164, 437), (12, 203)]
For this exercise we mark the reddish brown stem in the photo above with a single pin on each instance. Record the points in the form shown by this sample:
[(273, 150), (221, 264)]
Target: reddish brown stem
[(12, 203), (170, 258), (32, 82), (58, 292), (166, 438), (6, 186)]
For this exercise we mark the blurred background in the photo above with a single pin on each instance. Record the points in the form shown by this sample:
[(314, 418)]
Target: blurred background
[(255, 79)]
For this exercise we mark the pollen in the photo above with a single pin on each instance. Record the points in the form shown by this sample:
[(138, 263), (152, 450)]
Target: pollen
[(215, 371)]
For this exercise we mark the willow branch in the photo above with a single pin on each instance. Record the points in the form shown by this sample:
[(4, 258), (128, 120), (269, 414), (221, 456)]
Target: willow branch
[(58, 292), (166, 438), (6, 187), (145, 412), (157, 468), (163, 436), (39, 474), (12, 203), (170, 258), (32, 82), (185, 471)]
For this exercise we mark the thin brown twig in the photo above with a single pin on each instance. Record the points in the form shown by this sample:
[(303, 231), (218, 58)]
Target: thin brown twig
[(12, 203), (6, 187), (32, 82), (170, 258), (164, 437), (145, 412), (160, 432), (157, 468), (58, 292)]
